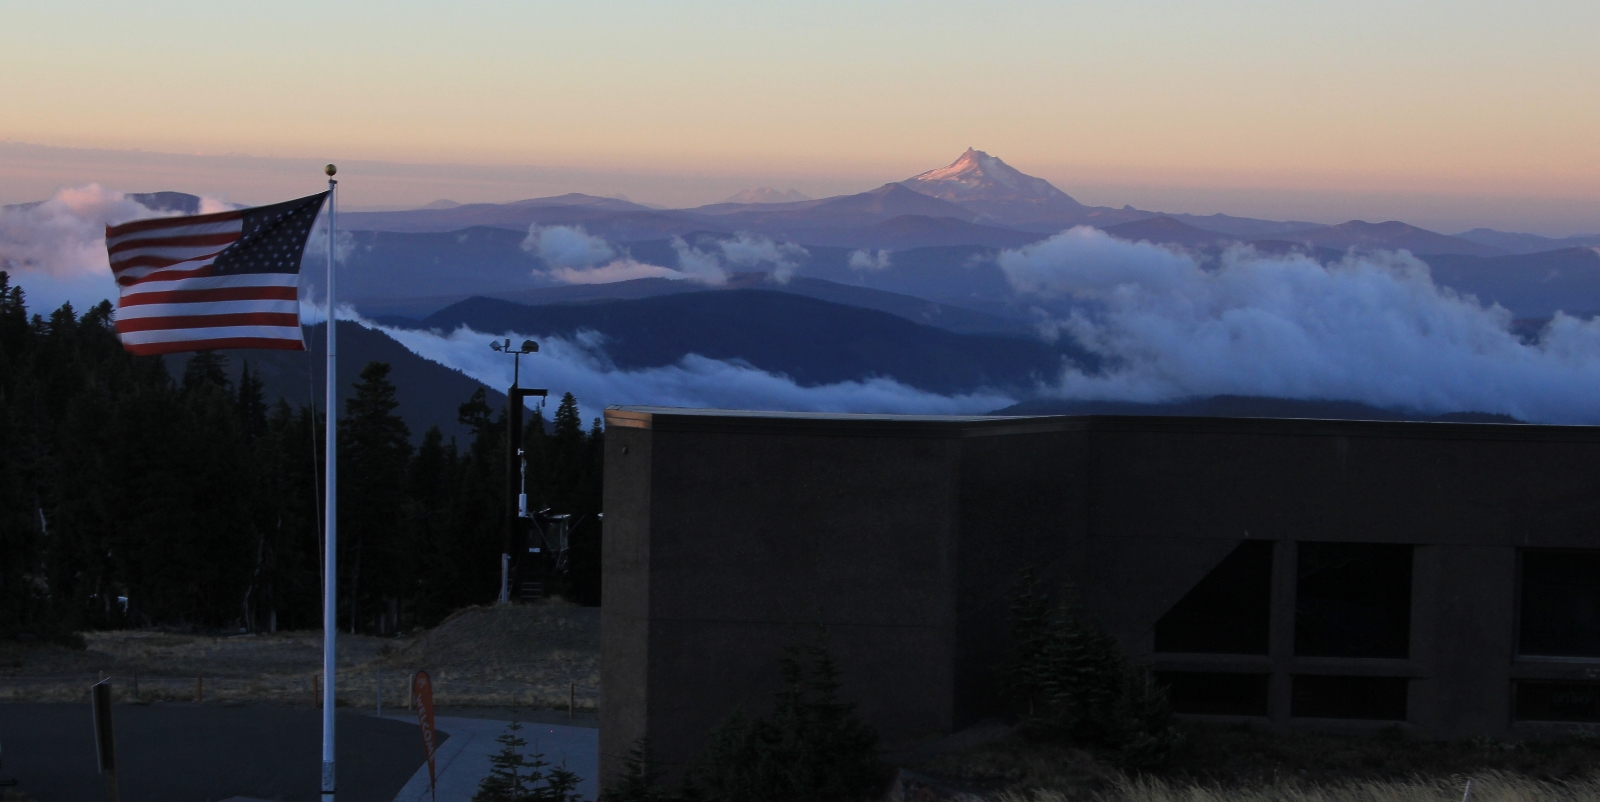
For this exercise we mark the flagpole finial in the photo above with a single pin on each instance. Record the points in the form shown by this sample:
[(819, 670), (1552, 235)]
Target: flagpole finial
[(330, 170)]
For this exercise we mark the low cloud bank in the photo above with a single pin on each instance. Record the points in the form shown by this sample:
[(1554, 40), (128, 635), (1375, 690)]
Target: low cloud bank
[(754, 250), (1372, 328), (579, 366), (56, 250), (574, 256)]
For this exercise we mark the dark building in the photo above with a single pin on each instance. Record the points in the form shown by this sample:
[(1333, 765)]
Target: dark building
[(1293, 573)]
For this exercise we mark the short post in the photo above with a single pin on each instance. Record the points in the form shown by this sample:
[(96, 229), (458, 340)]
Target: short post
[(199, 687), (105, 742), (136, 685), (572, 700), (411, 682)]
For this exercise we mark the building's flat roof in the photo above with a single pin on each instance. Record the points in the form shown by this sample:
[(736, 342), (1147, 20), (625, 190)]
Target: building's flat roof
[(756, 413), (855, 424)]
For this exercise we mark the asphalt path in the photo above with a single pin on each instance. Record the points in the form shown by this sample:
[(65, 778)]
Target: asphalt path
[(204, 753)]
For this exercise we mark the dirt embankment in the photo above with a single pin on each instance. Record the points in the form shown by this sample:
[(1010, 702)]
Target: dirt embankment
[(502, 655), (508, 654)]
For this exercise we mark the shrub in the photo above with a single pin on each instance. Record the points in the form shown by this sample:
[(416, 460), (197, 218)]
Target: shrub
[(640, 778), (1077, 686), (812, 747)]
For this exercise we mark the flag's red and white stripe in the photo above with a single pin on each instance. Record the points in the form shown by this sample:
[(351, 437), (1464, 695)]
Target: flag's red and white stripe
[(170, 301)]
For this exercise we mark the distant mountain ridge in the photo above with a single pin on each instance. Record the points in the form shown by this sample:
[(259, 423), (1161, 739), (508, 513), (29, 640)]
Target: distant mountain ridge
[(411, 312), (978, 199), (810, 340), (768, 195), (1356, 235), (1392, 235), (429, 393), (1514, 243)]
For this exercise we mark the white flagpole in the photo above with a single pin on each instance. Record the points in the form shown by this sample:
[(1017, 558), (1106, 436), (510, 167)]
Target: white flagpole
[(330, 556)]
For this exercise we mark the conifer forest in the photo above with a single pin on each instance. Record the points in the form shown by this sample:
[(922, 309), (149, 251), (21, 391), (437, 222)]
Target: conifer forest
[(132, 497)]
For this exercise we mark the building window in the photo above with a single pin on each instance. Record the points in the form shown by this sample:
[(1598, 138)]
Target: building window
[(1215, 693), (1229, 611), (1560, 603), (1369, 698), (1539, 700), (1353, 600)]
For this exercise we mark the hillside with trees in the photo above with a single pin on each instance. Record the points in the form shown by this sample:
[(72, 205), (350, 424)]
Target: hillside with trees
[(130, 496)]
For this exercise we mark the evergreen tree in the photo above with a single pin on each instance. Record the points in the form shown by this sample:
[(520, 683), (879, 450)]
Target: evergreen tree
[(206, 369), (431, 552), (374, 451), (128, 498), (813, 747), (568, 425), (1078, 686), (252, 403), (477, 505), (641, 778)]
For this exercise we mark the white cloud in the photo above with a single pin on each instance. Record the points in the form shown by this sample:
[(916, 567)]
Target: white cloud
[(567, 246), (751, 250), (869, 260), (711, 264), (1372, 328), (705, 266), (620, 270), (574, 256), (56, 250), (579, 366)]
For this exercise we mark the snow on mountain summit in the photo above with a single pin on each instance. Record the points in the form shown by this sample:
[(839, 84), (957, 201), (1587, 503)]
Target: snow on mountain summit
[(999, 193), (977, 176)]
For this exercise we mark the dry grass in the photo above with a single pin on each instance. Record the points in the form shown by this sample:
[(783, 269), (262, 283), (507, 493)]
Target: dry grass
[(1488, 787), (513, 655), (1241, 763), (506, 655)]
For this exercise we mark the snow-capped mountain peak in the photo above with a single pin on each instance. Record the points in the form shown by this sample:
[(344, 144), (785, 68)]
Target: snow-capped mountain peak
[(981, 177)]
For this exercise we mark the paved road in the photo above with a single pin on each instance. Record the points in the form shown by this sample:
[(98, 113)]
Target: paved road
[(205, 753)]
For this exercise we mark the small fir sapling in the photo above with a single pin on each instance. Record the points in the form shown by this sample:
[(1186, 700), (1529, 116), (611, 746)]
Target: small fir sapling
[(517, 777)]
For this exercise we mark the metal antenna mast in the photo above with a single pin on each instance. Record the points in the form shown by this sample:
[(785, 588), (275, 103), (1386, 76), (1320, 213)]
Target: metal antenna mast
[(516, 498)]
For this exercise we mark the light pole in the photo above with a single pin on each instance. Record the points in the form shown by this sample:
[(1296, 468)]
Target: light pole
[(516, 495)]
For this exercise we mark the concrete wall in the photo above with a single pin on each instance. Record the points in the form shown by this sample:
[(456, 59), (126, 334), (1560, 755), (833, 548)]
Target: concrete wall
[(731, 535)]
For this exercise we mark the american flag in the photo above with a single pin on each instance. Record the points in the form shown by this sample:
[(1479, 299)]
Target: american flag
[(207, 281)]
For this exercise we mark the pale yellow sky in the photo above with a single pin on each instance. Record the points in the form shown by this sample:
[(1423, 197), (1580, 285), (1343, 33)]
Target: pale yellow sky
[(1449, 114)]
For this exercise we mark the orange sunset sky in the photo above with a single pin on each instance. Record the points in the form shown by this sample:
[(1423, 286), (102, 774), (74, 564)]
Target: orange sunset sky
[(1448, 115)]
